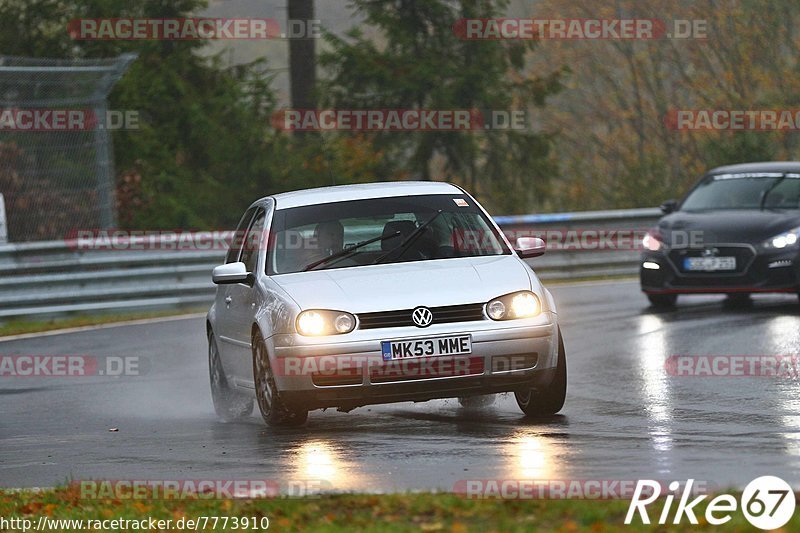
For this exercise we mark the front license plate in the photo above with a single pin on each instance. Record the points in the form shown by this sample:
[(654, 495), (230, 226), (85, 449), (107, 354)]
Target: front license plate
[(433, 347), (709, 264)]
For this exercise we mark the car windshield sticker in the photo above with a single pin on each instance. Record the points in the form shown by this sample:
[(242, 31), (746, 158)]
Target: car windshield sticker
[(460, 202)]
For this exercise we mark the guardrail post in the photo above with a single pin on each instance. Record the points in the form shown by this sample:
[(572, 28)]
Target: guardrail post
[(3, 223)]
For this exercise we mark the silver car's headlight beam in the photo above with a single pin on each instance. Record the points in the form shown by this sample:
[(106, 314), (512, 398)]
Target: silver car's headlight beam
[(522, 304), (318, 322)]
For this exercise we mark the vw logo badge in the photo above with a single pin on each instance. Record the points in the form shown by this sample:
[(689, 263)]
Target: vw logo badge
[(422, 317)]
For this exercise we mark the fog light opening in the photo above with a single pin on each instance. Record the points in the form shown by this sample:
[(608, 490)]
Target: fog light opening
[(650, 265)]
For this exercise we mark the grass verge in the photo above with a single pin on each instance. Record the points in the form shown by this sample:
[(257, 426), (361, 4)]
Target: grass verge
[(352, 512), (19, 327)]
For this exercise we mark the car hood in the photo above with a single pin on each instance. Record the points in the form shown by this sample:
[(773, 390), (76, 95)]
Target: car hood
[(726, 226), (407, 285)]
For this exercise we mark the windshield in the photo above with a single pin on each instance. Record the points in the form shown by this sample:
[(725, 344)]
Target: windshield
[(338, 235), (745, 191)]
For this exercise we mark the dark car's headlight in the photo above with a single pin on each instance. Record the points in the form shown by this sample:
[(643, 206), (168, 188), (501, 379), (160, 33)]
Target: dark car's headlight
[(785, 240), (316, 322), (521, 304)]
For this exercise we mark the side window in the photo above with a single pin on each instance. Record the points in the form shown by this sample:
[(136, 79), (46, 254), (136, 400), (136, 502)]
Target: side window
[(785, 196), (252, 242), (238, 237)]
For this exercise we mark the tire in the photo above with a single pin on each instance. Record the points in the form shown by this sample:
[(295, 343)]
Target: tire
[(549, 400), (662, 301), (477, 402), (273, 410), (738, 299), (228, 404)]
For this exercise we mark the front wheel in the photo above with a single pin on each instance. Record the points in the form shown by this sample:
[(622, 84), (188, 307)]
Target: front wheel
[(273, 410), (228, 404), (547, 401)]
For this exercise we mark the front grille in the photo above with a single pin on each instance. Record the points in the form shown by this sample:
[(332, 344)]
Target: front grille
[(744, 257), (441, 315)]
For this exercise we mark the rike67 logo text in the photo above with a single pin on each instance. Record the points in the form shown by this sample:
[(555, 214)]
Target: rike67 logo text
[(767, 502)]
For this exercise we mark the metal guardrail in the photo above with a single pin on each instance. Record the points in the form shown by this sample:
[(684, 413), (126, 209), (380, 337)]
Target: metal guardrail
[(56, 277), (576, 258)]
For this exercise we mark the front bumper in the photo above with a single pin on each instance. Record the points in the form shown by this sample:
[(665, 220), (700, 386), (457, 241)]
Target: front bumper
[(313, 373), (760, 271)]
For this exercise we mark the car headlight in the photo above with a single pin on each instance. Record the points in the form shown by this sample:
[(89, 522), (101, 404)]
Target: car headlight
[(786, 239), (316, 322), (652, 240), (521, 304)]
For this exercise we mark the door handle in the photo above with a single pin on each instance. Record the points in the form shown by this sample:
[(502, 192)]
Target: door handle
[(228, 300)]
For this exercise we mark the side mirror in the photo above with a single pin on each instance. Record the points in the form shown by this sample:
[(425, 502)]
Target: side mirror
[(669, 206), (230, 274), (530, 247)]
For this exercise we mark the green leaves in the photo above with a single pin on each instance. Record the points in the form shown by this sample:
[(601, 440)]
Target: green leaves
[(407, 56)]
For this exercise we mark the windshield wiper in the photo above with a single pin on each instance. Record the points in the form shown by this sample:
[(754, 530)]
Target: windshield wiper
[(769, 189), (408, 240), (348, 251)]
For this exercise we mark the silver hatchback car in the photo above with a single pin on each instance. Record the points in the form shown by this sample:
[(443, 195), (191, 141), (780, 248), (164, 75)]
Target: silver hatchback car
[(386, 292)]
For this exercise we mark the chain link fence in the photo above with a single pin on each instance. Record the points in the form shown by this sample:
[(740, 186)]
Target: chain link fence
[(56, 175)]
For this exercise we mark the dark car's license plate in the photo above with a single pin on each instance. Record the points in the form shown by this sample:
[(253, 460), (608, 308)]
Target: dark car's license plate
[(709, 264)]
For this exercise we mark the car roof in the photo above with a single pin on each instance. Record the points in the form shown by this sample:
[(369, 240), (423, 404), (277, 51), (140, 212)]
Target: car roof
[(361, 191), (765, 166)]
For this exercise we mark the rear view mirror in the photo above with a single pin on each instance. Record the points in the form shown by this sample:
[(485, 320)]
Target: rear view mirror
[(530, 247), (669, 206), (230, 273)]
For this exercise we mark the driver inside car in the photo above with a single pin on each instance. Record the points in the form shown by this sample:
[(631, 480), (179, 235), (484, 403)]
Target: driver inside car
[(329, 238)]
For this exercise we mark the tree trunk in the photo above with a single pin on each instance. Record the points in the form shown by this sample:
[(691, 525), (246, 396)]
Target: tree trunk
[(302, 57)]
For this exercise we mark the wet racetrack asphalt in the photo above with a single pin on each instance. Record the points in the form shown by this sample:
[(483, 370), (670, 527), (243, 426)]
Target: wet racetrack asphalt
[(625, 417)]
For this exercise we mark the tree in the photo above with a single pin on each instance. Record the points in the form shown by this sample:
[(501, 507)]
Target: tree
[(618, 150), (418, 62)]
